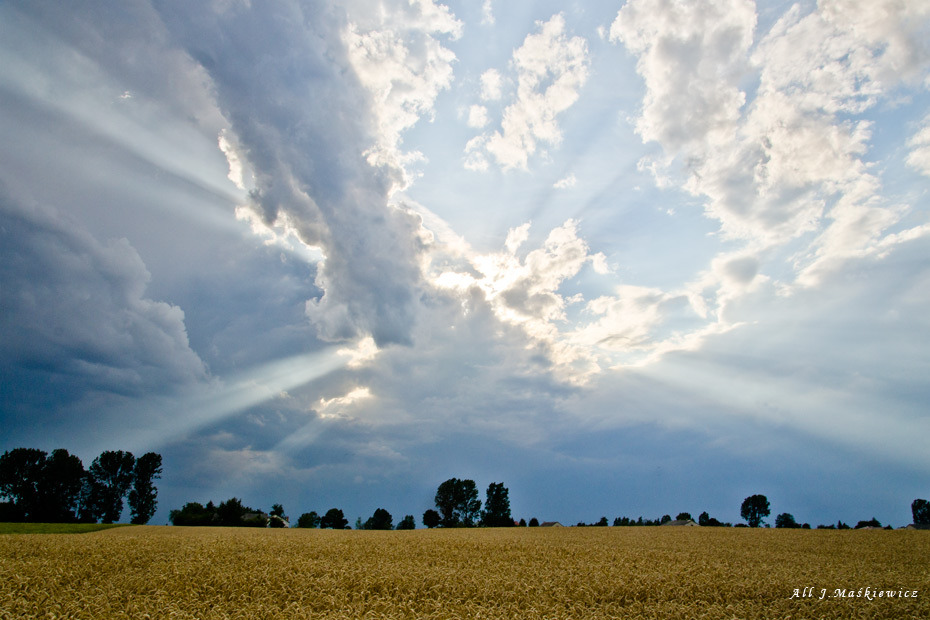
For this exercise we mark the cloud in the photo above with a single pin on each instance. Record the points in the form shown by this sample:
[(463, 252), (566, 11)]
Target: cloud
[(692, 57), (565, 182), (487, 13), (287, 85), (551, 68), (491, 85), (526, 292), (786, 163), (339, 406), (477, 116), (399, 58), (919, 157), (75, 315)]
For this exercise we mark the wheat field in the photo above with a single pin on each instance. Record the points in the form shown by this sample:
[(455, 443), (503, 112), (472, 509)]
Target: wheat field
[(572, 573)]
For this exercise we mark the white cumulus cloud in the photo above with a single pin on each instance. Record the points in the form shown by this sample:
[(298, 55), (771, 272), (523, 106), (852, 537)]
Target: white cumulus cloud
[(566, 182), (491, 85), (477, 116), (551, 67), (785, 163)]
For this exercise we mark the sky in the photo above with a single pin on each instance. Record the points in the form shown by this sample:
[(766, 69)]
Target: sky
[(628, 258)]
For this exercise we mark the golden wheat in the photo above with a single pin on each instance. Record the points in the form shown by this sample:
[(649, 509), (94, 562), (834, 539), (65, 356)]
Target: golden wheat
[(577, 573)]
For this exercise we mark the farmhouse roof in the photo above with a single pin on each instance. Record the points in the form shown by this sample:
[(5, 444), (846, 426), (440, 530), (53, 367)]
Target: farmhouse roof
[(684, 522), (550, 524)]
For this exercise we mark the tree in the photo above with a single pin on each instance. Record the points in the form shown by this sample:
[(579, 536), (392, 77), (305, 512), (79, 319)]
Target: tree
[(142, 497), (407, 523), (60, 487), (872, 523), (112, 472), (431, 518), (665, 519), (754, 508), (497, 506), (602, 522), (90, 501), (920, 510), (380, 520), (458, 503), (534, 522), (334, 519), (21, 472), (683, 516), (309, 519), (194, 513), (704, 519), (522, 522), (786, 520), (231, 512)]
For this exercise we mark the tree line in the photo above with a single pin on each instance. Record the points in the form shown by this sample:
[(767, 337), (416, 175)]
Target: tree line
[(457, 505), (756, 507), (231, 513), (55, 488)]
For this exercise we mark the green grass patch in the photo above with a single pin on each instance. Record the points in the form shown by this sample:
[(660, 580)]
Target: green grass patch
[(55, 528)]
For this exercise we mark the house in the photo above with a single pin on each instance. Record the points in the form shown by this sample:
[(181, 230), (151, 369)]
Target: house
[(550, 524), (683, 522)]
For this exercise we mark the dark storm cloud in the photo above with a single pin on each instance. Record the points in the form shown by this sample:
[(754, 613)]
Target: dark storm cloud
[(302, 120), (74, 315)]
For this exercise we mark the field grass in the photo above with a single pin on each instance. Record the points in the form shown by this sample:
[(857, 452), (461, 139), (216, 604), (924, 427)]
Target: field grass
[(576, 573), (54, 528)]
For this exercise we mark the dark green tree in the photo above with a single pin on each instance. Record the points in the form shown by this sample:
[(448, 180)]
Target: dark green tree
[(309, 520), (60, 487), (231, 513), (786, 520), (143, 496), (194, 513), (334, 519), (431, 518), (458, 503), (522, 522), (754, 508), (380, 520), (920, 510), (21, 472), (90, 501), (534, 522), (497, 507), (683, 516), (407, 523), (112, 473)]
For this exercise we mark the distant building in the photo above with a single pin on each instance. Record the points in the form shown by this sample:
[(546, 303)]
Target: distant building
[(682, 522), (550, 524)]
